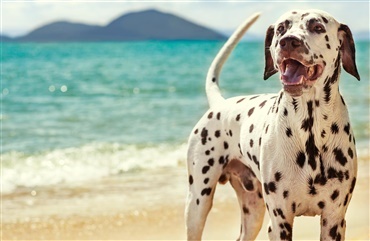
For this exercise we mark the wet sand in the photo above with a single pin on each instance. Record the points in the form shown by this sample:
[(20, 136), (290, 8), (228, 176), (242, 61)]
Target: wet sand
[(124, 208)]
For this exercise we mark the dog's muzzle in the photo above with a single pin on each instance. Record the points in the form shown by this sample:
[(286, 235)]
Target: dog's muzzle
[(296, 76)]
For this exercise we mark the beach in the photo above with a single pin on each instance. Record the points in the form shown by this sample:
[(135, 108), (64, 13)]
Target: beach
[(135, 208)]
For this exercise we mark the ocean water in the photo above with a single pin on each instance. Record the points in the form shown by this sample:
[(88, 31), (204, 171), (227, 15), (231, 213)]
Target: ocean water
[(73, 112)]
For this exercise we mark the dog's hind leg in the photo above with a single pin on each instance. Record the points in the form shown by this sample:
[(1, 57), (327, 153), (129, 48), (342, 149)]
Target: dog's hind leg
[(249, 193), (204, 172)]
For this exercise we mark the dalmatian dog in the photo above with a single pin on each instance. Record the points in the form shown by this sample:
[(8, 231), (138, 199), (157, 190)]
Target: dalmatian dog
[(292, 153)]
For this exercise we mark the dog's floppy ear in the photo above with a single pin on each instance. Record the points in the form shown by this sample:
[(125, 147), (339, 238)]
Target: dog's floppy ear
[(269, 62), (347, 51)]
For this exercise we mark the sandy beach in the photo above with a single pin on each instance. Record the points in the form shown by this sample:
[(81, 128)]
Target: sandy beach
[(125, 208)]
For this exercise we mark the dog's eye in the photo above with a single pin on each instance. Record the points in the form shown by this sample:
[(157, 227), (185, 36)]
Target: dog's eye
[(318, 28), (280, 29)]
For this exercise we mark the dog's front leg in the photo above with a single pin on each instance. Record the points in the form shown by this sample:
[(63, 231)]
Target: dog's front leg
[(281, 222), (333, 224)]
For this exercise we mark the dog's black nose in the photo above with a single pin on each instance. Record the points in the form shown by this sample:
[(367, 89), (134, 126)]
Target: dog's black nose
[(290, 43)]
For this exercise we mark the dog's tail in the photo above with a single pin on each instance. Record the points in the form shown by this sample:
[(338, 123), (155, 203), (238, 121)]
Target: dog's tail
[(212, 88)]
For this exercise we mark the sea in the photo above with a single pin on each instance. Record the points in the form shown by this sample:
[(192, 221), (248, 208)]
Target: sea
[(81, 112)]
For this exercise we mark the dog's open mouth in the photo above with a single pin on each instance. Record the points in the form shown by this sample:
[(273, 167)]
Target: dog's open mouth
[(295, 75)]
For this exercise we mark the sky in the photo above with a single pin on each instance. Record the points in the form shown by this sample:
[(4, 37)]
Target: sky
[(18, 17)]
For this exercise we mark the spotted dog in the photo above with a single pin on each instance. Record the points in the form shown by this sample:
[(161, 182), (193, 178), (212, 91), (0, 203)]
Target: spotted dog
[(292, 153)]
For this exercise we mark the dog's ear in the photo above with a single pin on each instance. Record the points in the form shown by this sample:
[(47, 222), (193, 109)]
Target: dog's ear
[(347, 50), (269, 62)]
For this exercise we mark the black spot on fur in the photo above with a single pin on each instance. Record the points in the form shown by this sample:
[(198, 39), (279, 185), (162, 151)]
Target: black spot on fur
[(277, 176), (217, 133), (280, 212), (324, 222), (207, 152), (308, 122), (230, 133), (332, 173), (210, 115), (197, 201), (339, 156), (221, 160), (311, 186), (211, 162), (260, 195), (237, 117), (333, 232), (250, 112), (288, 132), (321, 204), (251, 143), (328, 46), (345, 200), (191, 180), (350, 152), (352, 185), (206, 191), (272, 186), (240, 100), (196, 131), (205, 169), (295, 104), (213, 79), (347, 128), (285, 194), (285, 112), (312, 151), (251, 128), (334, 128), (245, 210), (334, 195), (256, 161), (226, 145), (301, 159), (324, 148), (323, 133), (262, 104), (204, 135), (206, 180), (218, 115)]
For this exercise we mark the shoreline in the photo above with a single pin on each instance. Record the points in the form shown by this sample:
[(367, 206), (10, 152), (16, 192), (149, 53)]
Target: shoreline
[(127, 208)]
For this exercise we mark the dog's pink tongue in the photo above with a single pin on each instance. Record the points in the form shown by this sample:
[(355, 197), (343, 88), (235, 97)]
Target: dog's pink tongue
[(294, 72)]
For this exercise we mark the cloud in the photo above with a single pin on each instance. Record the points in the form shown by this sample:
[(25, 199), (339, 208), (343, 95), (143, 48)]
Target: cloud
[(21, 17)]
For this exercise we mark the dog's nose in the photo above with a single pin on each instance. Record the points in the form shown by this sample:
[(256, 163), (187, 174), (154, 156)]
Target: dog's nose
[(290, 42)]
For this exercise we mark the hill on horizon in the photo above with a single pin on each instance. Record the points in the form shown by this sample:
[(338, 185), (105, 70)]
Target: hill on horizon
[(135, 26)]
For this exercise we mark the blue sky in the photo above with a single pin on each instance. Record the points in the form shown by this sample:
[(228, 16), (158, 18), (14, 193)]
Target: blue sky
[(20, 17)]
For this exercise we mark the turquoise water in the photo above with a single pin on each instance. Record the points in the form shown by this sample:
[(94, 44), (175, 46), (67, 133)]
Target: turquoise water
[(108, 108)]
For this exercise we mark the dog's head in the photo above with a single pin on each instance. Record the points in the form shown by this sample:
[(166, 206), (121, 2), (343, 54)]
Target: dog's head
[(304, 46)]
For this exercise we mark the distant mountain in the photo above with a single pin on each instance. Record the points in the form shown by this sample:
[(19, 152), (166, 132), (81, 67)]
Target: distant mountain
[(59, 31), (144, 25), (5, 38)]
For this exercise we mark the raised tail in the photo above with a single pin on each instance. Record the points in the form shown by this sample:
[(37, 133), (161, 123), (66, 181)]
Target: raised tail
[(212, 89)]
